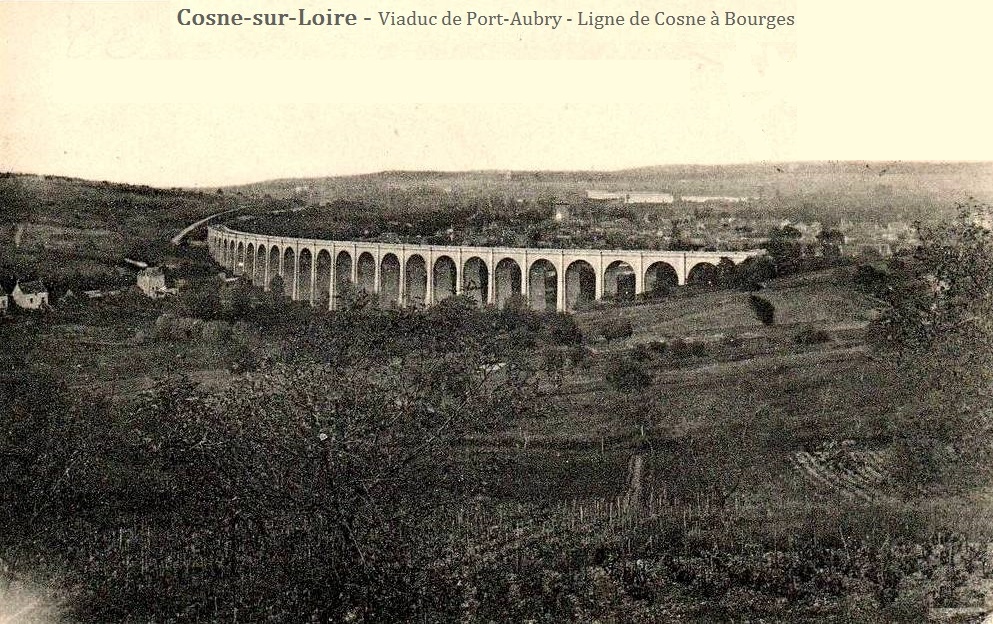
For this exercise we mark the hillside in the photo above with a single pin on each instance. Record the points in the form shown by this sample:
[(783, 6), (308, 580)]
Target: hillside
[(75, 233), (804, 190)]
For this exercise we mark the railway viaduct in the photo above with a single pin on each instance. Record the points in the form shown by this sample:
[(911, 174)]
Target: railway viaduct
[(319, 271)]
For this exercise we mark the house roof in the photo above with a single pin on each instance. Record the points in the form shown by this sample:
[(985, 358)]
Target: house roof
[(152, 271), (34, 287)]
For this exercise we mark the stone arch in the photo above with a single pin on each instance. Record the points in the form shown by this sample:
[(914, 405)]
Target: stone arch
[(660, 276), (342, 275), (619, 281), (274, 257), (415, 280), (543, 285), (322, 284), (389, 279), (507, 280), (250, 262), (305, 266), (580, 284), (444, 277), (476, 280), (239, 259), (261, 259), (289, 272), (702, 273), (365, 272)]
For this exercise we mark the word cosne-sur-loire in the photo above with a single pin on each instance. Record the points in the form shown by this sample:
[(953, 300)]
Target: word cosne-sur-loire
[(303, 17)]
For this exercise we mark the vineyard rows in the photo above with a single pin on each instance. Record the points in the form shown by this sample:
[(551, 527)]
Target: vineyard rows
[(855, 475)]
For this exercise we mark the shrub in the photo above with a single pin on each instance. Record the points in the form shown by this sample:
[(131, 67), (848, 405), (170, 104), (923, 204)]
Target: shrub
[(681, 349), (562, 329), (624, 373), (614, 329), (215, 332), (657, 347), (870, 279), (809, 336), (763, 309), (641, 352)]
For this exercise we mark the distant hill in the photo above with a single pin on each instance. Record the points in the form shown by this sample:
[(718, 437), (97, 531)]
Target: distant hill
[(848, 188), (77, 232)]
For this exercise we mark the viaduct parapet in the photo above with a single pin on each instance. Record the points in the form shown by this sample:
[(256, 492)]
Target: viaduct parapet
[(320, 271)]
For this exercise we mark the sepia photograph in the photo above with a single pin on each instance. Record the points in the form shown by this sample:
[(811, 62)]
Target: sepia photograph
[(535, 314)]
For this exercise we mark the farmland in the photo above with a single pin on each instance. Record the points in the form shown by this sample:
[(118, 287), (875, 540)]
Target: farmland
[(232, 456)]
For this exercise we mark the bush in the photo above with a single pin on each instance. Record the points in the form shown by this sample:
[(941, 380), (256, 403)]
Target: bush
[(624, 374), (614, 329), (763, 309), (657, 347), (870, 279), (809, 336), (215, 332), (641, 352), (681, 349), (562, 329)]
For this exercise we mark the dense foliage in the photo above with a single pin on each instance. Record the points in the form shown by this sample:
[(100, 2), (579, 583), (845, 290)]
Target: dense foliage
[(764, 310), (937, 328)]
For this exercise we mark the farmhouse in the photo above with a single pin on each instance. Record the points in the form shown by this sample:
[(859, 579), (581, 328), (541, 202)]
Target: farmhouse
[(31, 295), (151, 280), (152, 283)]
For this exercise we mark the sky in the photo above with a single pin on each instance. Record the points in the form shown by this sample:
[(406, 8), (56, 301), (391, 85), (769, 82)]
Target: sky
[(118, 90)]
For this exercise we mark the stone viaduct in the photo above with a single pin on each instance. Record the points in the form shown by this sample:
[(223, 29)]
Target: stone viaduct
[(320, 271)]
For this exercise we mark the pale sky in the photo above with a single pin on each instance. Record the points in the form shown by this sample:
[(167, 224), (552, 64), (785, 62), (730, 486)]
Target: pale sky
[(119, 91)]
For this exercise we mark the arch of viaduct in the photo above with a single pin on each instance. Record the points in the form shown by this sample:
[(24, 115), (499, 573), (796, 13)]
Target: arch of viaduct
[(320, 271)]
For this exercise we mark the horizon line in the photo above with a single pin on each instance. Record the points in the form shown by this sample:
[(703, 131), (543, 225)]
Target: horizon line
[(200, 187)]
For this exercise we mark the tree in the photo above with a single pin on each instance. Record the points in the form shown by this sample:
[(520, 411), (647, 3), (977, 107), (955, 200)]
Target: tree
[(277, 288), (751, 272), (321, 477), (830, 241), (200, 299), (784, 245), (725, 272), (937, 335), (763, 309)]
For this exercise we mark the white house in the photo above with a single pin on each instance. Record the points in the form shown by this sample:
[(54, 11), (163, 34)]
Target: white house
[(31, 295), (152, 282)]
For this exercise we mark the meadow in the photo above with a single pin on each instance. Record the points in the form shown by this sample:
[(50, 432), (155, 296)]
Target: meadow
[(235, 457)]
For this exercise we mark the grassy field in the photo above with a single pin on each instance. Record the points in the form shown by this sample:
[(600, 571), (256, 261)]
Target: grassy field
[(749, 480), (75, 234)]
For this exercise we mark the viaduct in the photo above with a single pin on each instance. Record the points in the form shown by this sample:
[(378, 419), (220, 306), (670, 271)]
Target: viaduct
[(320, 271)]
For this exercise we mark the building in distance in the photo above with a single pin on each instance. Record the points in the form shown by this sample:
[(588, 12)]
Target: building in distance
[(31, 295), (706, 199), (152, 282), (631, 197)]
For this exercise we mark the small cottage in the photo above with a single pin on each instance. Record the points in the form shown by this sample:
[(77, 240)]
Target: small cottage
[(152, 282), (30, 295)]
